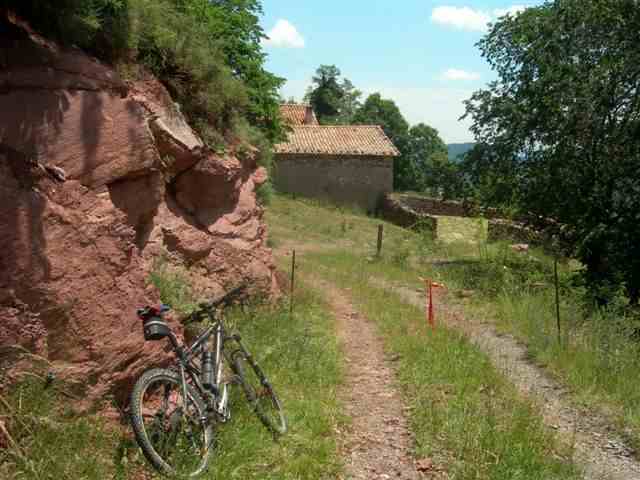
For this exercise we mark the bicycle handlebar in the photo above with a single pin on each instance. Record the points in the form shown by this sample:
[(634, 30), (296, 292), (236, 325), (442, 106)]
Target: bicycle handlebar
[(224, 299)]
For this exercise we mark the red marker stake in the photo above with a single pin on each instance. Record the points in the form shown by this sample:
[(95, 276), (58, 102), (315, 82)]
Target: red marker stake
[(429, 313)]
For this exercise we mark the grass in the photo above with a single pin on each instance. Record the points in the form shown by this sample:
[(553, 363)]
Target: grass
[(455, 229), (301, 358), (298, 353), (598, 356), (327, 225), (37, 418), (458, 401), (172, 282)]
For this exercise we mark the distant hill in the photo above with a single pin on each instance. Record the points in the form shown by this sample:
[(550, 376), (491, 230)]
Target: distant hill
[(456, 149)]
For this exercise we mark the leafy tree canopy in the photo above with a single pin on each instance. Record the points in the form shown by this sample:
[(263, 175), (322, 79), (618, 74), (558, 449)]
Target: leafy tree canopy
[(428, 163), (379, 111), (207, 52), (334, 100), (563, 123)]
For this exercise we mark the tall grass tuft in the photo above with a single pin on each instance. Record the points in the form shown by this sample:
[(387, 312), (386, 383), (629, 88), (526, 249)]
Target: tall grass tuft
[(49, 441)]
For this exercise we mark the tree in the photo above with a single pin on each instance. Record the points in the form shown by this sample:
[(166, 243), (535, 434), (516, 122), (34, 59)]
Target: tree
[(489, 176), (350, 102), (234, 26), (334, 101), (564, 116), (385, 113), (325, 94), (428, 166)]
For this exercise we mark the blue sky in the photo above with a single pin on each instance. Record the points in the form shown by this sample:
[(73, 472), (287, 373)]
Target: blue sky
[(419, 53)]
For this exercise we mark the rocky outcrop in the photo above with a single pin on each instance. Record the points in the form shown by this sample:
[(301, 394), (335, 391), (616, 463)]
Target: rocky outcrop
[(98, 177)]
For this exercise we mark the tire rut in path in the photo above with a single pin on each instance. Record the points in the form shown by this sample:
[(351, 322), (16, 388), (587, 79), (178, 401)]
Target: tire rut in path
[(598, 449), (377, 444)]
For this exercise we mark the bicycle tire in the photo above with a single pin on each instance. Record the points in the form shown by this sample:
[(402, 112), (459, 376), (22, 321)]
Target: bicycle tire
[(269, 412), (146, 380)]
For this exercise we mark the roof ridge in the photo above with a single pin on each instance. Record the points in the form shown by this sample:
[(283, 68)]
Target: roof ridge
[(338, 126), (337, 140)]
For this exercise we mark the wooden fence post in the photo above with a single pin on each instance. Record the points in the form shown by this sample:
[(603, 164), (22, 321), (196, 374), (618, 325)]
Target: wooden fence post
[(293, 278), (379, 249), (555, 277)]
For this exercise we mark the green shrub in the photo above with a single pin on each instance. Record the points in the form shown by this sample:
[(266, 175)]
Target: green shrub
[(207, 54), (264, 193), (173, 285)]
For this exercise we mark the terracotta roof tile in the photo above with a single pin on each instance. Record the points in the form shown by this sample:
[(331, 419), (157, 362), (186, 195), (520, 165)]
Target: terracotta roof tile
[(338, 140), (298, 114)]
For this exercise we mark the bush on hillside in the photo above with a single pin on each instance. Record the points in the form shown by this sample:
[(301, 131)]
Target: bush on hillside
[(207, 53)]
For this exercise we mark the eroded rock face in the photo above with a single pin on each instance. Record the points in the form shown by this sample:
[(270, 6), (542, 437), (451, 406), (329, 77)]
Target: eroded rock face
[(98, 178)]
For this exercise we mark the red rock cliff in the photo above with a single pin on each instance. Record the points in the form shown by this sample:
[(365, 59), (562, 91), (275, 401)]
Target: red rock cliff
[(97, 178)]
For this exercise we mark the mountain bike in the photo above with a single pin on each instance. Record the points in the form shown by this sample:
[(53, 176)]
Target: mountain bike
[(174, 411)]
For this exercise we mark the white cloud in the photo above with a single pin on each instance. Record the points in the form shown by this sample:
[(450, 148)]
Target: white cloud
[(464, 18), (285, 35), (512, 10), (456, 74)]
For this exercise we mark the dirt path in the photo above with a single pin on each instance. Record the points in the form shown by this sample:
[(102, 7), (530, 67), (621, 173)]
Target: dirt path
[(597, 448), (377, 444)]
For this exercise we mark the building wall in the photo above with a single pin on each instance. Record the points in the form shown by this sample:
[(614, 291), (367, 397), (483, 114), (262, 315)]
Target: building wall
[(357, 180)]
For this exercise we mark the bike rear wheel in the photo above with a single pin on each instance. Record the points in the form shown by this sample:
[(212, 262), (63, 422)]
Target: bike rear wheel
[(176, 440), (259, 393)]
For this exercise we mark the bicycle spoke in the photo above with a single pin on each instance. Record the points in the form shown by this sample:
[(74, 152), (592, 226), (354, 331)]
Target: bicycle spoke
[(175, 432)]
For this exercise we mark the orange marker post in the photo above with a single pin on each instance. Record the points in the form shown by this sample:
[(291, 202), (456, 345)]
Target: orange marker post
[(431, 318)]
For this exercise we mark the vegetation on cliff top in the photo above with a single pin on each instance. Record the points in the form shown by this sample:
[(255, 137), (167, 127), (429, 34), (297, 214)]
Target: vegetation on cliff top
[(207, 53)]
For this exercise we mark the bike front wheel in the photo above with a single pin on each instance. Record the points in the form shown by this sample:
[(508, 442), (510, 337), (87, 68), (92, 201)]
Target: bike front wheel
[(259, 393), (172, 432)]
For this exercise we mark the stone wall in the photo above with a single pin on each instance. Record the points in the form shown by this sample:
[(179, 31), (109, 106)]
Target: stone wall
[(447, 208), (361, 181), (403, 215), (410, 211), (501, 229)]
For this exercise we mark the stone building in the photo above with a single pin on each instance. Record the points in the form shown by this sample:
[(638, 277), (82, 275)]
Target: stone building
[(348, 164)]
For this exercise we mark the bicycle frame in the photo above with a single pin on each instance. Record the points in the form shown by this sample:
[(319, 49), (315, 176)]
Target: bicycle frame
[(202, 386), (215, 398)]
